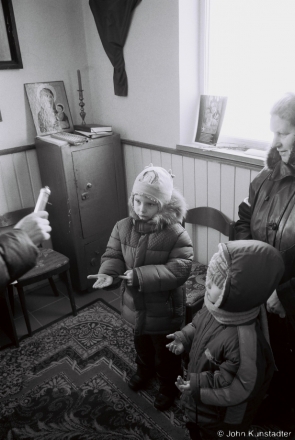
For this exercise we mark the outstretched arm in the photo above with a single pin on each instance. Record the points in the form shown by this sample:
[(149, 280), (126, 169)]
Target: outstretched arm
[(112, 261), (36, 225), (18, 255)]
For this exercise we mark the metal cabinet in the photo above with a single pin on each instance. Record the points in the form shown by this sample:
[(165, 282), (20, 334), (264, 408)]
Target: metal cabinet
[(88, 196)]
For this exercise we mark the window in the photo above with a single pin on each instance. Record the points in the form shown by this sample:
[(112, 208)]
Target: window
[(249, 57)]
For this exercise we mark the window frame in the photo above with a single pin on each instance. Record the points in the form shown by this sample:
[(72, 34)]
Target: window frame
[(204, 32)]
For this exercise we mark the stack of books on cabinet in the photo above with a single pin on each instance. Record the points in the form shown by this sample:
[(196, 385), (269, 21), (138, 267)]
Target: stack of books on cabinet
[(93, 131)]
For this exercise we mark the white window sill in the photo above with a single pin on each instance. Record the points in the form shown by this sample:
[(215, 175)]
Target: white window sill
[(250, 156)]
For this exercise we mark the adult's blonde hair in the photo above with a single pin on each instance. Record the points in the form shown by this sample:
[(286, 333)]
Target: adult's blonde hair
[(285, 108)]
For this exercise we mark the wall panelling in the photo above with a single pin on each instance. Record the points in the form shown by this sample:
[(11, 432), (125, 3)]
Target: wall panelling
[(203, 182)]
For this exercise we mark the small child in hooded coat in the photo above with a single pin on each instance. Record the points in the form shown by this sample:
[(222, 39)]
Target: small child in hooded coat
[(152, 253), (230, 360)]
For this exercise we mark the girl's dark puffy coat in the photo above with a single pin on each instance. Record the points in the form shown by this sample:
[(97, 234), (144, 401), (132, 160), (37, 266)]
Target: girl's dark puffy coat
[(160, 253)]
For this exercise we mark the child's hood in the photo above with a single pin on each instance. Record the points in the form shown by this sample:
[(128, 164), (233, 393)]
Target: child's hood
[(170, 213), (255, 269)]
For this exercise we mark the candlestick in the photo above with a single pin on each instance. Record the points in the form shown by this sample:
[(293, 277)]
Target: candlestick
[(81, 98), (79, 79), (81, 104)]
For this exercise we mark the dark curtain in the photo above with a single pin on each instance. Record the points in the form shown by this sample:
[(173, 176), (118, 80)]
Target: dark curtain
[(112, 18)]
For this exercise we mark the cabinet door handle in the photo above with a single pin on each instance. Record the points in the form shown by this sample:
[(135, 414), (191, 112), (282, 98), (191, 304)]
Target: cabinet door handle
[(84, 196), (89, 185)]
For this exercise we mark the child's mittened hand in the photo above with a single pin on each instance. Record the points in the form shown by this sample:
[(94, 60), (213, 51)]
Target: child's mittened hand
[(102, 280), (176, 346), (183, 385)]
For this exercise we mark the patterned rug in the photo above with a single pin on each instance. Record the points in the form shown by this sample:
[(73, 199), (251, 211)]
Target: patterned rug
[(69, 381)]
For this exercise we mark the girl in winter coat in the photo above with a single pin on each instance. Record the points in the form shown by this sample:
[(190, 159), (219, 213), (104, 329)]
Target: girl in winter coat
[(230, 360), (152, 253)]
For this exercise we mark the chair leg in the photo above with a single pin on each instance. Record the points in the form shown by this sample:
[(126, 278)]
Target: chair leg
[(11, 297), (6, 316), (24, 307), (70, 292), (53, 286)]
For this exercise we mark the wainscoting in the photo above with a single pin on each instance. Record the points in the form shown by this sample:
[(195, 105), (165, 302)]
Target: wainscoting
[(204, 181), (20, 180)]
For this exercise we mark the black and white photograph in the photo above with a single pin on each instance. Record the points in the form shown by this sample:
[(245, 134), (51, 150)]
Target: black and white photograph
[(147, 212)]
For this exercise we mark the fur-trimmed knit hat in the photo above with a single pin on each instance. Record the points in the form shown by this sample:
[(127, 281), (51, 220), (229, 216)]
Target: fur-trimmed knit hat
[(217, 269), (155, 183)]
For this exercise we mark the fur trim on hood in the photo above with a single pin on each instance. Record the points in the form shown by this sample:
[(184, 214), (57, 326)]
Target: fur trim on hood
[(273, 157), (169, 214)]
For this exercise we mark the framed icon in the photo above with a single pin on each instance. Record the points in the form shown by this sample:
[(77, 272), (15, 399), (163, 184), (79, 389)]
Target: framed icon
[(49, 106), (211, 114), (10, 56)]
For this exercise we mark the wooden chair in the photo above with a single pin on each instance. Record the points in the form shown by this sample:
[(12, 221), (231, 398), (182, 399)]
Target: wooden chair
[(49, 264), (195, 285)]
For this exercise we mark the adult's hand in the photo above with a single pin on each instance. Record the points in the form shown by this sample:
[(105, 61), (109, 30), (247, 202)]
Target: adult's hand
[(274, 305), (36, 225)]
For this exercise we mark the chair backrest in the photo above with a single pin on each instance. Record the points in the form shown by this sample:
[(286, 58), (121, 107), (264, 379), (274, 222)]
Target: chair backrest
[(212, 218), (11, 218)]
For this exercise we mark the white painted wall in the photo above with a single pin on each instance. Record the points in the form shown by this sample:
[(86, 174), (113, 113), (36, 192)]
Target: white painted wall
[(151, 111), (52, 42), (57, 37)]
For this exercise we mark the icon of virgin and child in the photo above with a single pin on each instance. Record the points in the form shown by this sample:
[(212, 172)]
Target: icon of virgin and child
[(51, 116), (211, 116)]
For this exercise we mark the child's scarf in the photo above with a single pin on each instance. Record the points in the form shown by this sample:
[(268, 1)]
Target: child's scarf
[(239, 318)]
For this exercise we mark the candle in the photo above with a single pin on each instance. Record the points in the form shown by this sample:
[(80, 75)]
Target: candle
[(79, 80)]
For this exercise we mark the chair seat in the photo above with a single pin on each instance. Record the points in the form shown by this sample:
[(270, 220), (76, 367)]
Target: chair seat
[(195, 285), (49, 263)]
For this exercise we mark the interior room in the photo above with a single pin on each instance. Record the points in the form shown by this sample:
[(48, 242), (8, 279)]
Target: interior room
[(146, 90)]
